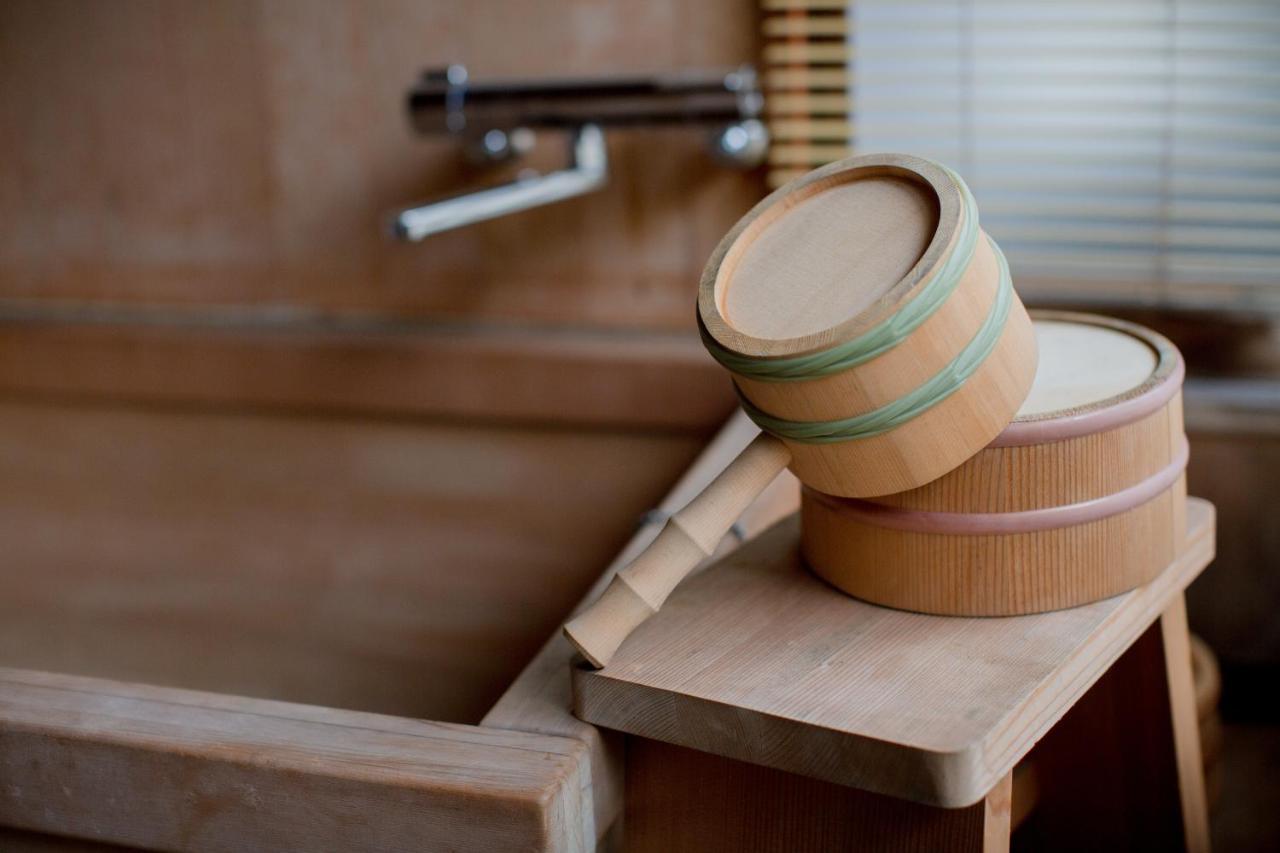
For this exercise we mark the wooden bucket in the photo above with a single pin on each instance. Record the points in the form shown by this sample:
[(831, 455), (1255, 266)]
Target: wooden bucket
[(816, 303), (1082, 497)]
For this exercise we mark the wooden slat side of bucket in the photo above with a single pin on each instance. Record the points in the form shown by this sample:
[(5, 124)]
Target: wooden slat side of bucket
[(1063, 508)]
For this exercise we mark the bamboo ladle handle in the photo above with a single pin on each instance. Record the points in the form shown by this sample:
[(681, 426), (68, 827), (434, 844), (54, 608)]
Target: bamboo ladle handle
[(690, 536)]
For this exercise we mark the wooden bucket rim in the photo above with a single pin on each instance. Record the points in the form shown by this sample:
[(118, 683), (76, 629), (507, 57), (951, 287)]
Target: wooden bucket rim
[(723, 260), (1111, 412)]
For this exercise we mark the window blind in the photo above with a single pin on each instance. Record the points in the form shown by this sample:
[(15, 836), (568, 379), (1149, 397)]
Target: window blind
[(1120, 150)]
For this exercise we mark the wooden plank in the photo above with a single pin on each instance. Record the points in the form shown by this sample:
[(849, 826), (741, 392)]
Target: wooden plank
[(539, 699), (186, 771), (170, 176), (404, 567), (757, 660), (262, 359), (680, 800)]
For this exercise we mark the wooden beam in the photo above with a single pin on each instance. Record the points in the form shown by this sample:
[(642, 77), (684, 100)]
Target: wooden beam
[(560, 376), (185, 771)]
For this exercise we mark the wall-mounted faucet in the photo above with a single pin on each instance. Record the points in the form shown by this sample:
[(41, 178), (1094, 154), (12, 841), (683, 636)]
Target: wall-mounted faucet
[(497, 121)]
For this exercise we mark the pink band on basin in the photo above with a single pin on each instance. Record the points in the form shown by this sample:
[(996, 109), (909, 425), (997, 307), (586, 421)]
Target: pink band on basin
[(1022, 433), (1027, 521)]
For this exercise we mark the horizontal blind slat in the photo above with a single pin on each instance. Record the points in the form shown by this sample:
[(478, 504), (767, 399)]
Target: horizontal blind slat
[(1106, 140)]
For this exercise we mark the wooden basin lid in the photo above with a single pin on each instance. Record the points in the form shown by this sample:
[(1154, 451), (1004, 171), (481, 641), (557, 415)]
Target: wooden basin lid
[(1083, 364), (829, 255), (1094, 374)]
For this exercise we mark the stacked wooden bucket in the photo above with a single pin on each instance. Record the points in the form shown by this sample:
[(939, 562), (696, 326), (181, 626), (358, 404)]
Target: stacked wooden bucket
[(1081, 497), (957, 458)]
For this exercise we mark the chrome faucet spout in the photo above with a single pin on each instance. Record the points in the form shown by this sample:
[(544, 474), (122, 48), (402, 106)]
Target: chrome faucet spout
[(496, 121), (588, 171)]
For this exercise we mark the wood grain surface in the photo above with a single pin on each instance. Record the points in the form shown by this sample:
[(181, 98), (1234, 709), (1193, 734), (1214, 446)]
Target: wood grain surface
[(246, 153), (185, 771), (399, 566), (756, 660), (897, 371), (891, 271), (688, 537), (994, 574), (939, 439), (577, 378), (885, 223), (777, 280), (934, 549), (681, 800), (540, 699)]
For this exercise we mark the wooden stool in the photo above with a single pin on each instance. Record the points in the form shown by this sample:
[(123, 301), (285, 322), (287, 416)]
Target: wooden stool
[(770, 712)]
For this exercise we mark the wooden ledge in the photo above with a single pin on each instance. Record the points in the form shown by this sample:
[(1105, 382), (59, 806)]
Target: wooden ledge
[(182, 770), (377, 366), (756, 659)]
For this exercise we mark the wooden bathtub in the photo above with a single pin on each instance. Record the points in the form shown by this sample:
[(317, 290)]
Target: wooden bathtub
[(334, 578), (251, 447)]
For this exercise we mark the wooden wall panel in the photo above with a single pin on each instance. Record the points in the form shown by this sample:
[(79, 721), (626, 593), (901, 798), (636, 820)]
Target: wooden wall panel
[(578, 378), (1233, 605), (243, 153), (405, 567), (193, 199)]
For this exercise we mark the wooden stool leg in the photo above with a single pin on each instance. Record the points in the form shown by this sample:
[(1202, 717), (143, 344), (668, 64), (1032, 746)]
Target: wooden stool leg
[(1186, 725), (1121, 771), (680, 799)]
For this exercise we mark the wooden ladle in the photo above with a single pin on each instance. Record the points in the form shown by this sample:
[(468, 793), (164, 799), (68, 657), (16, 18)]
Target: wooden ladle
[(872, 331)]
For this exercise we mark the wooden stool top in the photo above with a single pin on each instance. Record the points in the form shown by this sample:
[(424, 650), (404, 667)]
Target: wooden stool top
[(756, 659)]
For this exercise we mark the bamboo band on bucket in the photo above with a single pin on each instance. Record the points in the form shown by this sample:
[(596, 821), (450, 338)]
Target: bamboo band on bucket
[(877, 340), (939, 387)]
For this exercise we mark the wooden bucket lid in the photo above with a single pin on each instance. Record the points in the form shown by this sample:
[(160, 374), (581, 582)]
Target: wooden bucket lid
[(1094, 374), (830, 255)]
